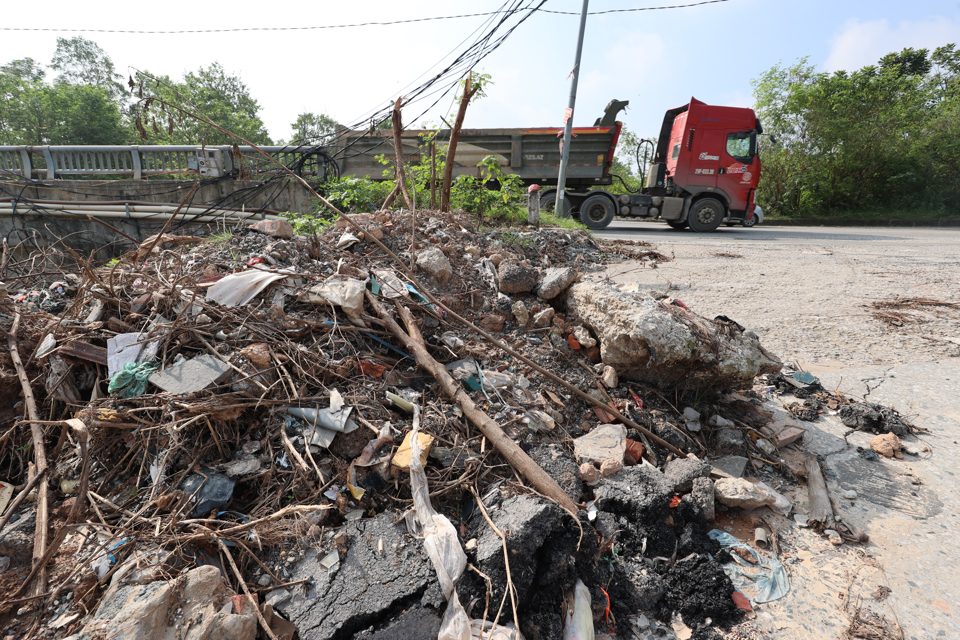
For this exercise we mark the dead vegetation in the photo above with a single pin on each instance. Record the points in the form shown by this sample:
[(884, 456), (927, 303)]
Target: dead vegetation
[(903, 311)]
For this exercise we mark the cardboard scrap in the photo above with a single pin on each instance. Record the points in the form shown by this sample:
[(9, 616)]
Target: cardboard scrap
[(401, 459)]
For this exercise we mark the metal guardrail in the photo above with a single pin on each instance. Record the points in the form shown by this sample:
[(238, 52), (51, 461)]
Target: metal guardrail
[(53, 162)]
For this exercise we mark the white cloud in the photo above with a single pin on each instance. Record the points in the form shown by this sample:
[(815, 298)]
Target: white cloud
[(861, 43)]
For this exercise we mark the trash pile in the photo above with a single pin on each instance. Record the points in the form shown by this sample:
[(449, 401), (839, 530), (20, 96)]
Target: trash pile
[(403, 425)]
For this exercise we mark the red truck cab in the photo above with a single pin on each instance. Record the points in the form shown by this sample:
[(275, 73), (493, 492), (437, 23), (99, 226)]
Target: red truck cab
[(708, 152)]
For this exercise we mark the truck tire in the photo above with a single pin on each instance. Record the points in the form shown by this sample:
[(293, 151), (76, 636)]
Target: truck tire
[(679, 226), (548, 203), (597, 211), (706, 215)]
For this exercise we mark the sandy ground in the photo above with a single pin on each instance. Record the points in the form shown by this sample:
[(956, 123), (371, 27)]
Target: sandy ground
[(808, 297)]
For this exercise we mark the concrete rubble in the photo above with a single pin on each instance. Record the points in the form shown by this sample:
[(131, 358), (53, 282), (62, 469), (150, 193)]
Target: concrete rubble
[(666, 346), (568, 432)]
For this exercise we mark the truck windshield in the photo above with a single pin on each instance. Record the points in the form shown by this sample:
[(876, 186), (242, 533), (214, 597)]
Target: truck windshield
[(741, 146)]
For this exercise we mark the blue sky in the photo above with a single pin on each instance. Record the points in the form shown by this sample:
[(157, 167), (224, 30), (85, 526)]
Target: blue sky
[(654, 59)]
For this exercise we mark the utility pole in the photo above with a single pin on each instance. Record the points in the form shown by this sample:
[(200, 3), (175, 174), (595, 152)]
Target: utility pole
[(568, 128)]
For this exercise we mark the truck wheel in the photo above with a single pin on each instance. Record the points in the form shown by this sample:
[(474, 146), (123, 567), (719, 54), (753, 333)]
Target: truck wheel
[(548, 203), (597, 212), (705, 215), (679, 226)]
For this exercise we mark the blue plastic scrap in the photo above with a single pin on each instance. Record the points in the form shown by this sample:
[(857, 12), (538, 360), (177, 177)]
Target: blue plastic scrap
[(764, 581)]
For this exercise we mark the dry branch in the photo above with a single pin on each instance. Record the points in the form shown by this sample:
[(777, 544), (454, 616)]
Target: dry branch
[(40, 457), (507, 447), (468, 93), (398, 149)]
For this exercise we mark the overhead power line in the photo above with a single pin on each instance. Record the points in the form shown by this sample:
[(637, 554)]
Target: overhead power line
[(347, 26)]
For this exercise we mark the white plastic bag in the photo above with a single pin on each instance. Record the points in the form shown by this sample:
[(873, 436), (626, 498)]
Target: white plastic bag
[(490, 631), (439, 535), (455, 624), (579, 625)]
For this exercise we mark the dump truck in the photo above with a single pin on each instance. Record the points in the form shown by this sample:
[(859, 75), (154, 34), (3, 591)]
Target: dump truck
[(704, 172)]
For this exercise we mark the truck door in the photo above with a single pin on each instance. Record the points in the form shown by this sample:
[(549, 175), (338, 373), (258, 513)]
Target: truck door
[(737, 166), (705, 160)]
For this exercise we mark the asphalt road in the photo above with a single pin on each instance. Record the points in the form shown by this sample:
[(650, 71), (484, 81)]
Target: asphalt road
[(660, 233)]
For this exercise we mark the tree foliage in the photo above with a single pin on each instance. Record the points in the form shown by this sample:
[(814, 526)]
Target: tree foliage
[(212, 92), (86, 103), (82, 62), (881, 137), (312, 129), (37, 113)]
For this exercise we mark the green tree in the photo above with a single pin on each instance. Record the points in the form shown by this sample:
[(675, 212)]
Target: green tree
[(871, 139), (211, 91), (83, 62), (312, 129), (20, 102), (82, 114), (33, 112)]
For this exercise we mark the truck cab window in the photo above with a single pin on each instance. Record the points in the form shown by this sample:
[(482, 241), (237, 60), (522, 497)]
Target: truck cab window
[(742, 146), (676, 151)]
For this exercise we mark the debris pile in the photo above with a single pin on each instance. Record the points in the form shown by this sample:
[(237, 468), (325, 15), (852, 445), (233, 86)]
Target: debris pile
[(260, 429)]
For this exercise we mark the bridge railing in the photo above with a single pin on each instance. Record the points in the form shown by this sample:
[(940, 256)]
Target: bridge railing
[(51, 162)]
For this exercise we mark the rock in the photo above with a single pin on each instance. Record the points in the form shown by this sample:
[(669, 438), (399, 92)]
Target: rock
[(542, 547), (887, 445), (369, 586), (492, 322), (702, 494), (802, 520), (473, 251), (215, 491), (515, 278), (737, 492), (16, 539), (191, 375), (732, 466), (692, 419), (560, 466), (258, 354), (680, 473), (833, 536), (849, 494), (496, 259), (648, 587), (434, 262), (790, 435), (610, 468), (158, 610), (640, 498), (274, 228), (554, 281), (765, 446), (582, 335), (607, 441), (361, 219), (520, 313), (589, 473), (609, 377), (646, 342), (721, 422), (731, 442), (543, 318)]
